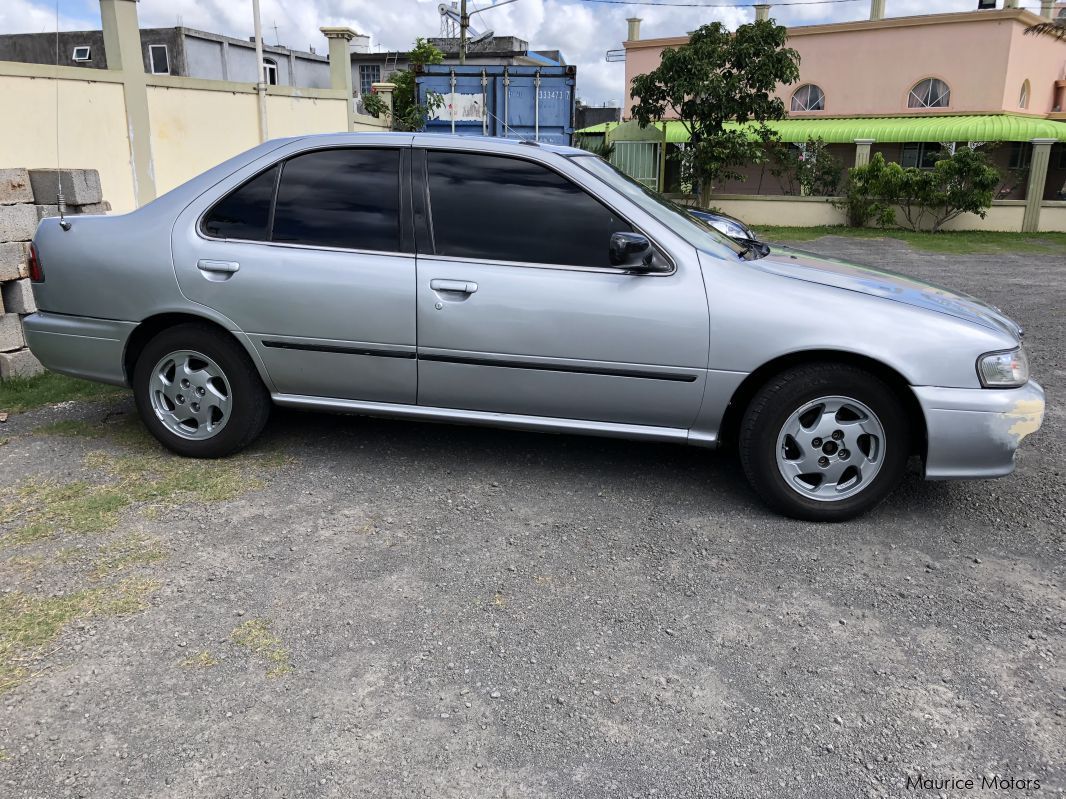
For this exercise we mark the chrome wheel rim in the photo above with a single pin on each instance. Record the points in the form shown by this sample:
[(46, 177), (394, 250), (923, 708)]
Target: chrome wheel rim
[(190, 395), (830, 448)]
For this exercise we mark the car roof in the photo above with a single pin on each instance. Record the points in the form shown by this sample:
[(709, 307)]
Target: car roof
[(425, 138)]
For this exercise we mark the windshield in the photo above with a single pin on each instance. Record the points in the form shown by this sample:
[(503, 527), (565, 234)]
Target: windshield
[(671, 214)]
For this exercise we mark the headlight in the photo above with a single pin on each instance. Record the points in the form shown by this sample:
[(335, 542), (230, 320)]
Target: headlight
[(1003, 369)]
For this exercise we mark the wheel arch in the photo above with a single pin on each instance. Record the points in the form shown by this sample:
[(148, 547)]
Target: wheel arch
[(152, 326), (744, 393)]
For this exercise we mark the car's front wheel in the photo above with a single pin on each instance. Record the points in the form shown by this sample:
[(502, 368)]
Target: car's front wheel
[(824, 442), (198, 392)]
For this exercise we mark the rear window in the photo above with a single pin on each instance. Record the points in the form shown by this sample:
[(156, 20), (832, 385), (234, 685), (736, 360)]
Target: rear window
[(244, 213)]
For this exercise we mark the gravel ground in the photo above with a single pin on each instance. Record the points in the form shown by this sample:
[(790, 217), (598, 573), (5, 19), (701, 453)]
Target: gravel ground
[(414, 610)]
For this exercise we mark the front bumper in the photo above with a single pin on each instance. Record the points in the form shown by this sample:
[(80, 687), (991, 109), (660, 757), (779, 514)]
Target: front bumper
[(973, 433), (79, 345)]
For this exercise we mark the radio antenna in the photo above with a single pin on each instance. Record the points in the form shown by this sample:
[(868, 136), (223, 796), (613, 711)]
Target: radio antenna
[(60, 202)]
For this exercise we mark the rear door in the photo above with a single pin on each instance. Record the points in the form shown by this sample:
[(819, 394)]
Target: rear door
[(313, 259), (520, 311)]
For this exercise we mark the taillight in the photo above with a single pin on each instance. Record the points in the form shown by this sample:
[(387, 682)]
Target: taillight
[(36, 272)]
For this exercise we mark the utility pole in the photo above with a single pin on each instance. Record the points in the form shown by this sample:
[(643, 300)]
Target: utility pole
[(464, 23), (260, 85)]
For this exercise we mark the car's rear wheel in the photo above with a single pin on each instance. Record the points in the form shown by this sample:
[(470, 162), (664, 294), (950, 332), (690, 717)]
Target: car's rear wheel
[(824, 442), (198, 392)]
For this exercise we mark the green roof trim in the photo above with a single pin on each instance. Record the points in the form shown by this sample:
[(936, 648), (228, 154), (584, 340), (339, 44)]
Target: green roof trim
[(983, 127)]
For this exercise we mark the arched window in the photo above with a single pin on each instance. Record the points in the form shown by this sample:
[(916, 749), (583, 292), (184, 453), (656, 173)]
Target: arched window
[(929, 93), (270, 71), (1023, 95), (808, 98)]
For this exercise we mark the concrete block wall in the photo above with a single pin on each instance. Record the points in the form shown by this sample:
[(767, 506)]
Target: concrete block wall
[(26, 197)]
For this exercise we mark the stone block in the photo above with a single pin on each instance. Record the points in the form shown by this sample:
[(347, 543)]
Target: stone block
[(80, 186), (21, 363), (17, 222), (17, 297), (13, 257), (15, 186), (11, 337)]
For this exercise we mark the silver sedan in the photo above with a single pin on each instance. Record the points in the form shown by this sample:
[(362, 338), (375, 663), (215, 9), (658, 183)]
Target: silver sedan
[(526, 286)]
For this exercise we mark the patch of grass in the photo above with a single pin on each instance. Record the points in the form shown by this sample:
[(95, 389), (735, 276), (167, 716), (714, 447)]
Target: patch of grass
[(949, 242), (18, 394), (128, 552), (44, 508), (29, 623), (201, 660), (78, 507), (255, 635)]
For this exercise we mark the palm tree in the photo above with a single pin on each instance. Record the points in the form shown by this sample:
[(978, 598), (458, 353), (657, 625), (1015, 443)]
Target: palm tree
[(1053, 27)]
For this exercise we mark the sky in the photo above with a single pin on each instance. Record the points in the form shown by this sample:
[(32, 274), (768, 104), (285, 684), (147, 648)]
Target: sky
[(581, 29)]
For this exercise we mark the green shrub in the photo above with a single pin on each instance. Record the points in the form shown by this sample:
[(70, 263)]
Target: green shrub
[(960, 182)]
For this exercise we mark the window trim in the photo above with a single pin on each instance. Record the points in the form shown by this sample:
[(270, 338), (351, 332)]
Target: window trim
[(404, 237), (88, 53), (151, 58), (421, 176), (1025, 94)]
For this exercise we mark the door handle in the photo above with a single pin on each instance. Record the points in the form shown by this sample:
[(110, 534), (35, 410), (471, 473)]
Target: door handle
[(460, 286), (227, 267)]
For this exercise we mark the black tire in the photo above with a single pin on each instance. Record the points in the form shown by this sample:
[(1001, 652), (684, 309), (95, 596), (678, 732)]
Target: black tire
[(249, 398), (785, 394)]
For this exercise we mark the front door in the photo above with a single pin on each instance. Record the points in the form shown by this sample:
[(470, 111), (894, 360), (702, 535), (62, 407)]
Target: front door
[(309, 259), (520, 311)]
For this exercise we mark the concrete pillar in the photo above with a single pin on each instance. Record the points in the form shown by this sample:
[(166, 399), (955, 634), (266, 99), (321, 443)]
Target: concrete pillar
[(340, 65), (862, 151), (1034, 192), (877, 9), (1047, 8), (385, 91), (762, 11), (122, 45), (634, 29)]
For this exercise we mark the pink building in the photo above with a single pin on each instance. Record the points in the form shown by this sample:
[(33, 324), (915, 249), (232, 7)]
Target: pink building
[(903, 85)]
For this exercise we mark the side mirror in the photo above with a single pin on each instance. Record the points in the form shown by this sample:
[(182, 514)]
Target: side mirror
[(632, 251)]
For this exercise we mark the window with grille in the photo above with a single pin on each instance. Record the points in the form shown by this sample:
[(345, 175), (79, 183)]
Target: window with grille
[(369, 74), (929, 93), (808, 98)]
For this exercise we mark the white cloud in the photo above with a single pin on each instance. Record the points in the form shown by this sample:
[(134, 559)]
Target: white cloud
[(583, 31)]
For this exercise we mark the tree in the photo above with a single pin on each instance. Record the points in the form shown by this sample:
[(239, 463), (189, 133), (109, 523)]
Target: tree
[(809, 170), (1053, 27), (716, 79), (407, 112)]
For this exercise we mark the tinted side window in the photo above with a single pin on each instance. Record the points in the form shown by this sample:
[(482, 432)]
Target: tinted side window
[(245, 212), (340, 198), (507, 209)]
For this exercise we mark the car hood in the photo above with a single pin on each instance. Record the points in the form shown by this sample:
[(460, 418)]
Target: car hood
[(814, 268)]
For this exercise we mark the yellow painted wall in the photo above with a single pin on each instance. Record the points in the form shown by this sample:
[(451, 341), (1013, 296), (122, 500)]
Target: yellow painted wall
[(194, 130), (92, 131), (292, 116)]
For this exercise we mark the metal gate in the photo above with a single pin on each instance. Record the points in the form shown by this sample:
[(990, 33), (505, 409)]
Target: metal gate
[(638, 159)]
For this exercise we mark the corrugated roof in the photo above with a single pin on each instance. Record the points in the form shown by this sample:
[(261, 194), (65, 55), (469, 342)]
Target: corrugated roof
[(984, 127)]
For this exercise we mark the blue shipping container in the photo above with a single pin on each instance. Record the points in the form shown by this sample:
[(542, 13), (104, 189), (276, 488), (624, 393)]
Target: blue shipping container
[(532, 103)]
